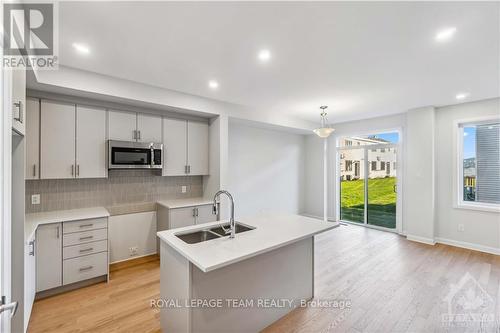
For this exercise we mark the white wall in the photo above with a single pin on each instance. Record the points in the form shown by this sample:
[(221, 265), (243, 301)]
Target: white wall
[(481, 228), (419, 185), (266, 170), (439, 221), (314, 163)]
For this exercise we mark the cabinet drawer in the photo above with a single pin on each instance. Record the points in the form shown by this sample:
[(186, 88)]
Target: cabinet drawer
[(84, 225), (84, 249), (85, 237), (86, 267)]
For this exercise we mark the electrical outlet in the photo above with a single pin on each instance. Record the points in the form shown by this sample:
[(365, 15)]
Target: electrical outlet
[(133, 250), (183, 189), (35, 199), (461, 227)]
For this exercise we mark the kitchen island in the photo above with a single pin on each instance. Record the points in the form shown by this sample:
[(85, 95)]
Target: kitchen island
[(242, 284)]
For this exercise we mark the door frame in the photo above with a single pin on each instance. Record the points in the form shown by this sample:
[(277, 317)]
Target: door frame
[(399, 176), (5, 190)]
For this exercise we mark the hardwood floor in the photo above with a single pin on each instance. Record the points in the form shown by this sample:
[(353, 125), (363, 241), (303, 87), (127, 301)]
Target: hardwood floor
[(392, 284)]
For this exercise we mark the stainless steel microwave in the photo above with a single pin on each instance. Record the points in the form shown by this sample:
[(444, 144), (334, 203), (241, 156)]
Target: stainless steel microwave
[(134, 155)]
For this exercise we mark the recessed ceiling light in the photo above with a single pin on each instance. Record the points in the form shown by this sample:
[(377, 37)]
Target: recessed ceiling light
[(461, 96), (445, 34), (82, 48), (264, 55), (213, 84)]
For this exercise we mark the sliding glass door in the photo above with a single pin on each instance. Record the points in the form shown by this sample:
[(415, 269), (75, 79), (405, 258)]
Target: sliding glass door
[(368, 179)]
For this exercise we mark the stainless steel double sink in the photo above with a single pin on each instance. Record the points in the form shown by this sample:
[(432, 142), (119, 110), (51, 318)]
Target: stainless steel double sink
[(204, 235)]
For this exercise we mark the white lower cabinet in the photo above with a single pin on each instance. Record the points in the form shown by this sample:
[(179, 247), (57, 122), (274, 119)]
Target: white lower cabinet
[(48, 256), (85, 267), (171, 218), (204, 214), (29, 279), (70, 252)]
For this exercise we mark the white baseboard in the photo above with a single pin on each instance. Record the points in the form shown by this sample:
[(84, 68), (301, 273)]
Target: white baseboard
[(469, 246), (135, 257), (420, 239)]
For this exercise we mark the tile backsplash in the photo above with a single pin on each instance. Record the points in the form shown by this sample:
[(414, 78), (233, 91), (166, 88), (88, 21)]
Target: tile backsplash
[(121, 187)]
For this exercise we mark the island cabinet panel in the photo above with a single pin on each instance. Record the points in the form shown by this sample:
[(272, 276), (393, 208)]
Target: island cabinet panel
[(48, 256), (286, 273)]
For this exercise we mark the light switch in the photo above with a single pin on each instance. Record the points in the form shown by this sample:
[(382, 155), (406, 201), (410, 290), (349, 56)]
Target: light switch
[(183, 189), (35, 199)]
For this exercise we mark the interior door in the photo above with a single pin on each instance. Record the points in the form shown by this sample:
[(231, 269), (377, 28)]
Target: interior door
[(122, 125), (197, 148), (149, 127), (90, 142), (174, 147), (57, 145)]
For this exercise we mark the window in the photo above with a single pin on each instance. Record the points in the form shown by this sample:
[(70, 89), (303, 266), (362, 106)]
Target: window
[(479, 164), (382, 165), (348, 165), (374, 165)]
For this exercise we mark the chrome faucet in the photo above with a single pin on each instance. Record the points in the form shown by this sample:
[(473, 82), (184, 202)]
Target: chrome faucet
[(232, 225)]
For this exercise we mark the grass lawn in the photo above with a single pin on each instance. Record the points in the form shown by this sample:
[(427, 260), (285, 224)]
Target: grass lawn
[(381, 201)]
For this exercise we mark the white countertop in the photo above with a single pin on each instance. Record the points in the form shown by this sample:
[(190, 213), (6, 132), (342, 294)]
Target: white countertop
[(270, 232), (188, 202), (32, 221)]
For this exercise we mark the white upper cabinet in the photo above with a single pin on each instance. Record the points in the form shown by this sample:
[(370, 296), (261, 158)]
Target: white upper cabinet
[(90, 142), (19, 101), (174, 147), (57, 140), (122, 125), (197, 148), (148, 128), (185, 147), (32, 136)]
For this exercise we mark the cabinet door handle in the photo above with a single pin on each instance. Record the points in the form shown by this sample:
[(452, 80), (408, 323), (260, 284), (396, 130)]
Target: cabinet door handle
[(186, 169), (86, 268), (139, 135), (32, 251), (34, 170), (194, 212), (87, 250), (78, 170), (189, 169), (72, 169), (86, 225), (57, 232), (86, 237), (19, 106)]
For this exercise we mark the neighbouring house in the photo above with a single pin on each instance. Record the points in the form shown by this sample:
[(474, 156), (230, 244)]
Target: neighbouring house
[(382, 161)]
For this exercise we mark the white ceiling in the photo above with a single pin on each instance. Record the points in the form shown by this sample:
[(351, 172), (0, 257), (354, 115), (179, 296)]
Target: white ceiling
[(361, 59)]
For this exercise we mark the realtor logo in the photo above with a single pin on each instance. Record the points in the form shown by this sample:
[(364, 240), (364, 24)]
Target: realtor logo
[(29, 35), (469, 305)]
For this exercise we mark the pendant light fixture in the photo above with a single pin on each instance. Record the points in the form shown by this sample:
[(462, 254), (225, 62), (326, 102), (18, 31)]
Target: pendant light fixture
[(325, 130)]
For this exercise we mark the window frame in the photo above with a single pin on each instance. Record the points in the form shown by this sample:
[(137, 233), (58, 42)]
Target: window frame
[(458, 200)]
